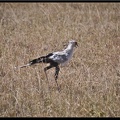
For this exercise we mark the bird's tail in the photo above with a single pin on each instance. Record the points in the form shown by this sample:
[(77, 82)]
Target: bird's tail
[(23, 66), (43, 59), (38, 60), (34, 61)]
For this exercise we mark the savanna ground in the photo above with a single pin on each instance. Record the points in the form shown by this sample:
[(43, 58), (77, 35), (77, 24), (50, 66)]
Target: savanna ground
[(89, 84)]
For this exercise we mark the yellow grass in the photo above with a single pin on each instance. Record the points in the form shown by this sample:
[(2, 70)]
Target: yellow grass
[(90, 83)]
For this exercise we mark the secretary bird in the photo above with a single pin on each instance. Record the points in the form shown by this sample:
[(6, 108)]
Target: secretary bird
[(55, 59)]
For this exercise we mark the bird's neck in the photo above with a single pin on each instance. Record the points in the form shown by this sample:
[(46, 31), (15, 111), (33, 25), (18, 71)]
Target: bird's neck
[(69, 49)]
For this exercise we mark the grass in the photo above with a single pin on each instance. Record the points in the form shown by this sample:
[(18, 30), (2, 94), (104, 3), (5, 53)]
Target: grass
[(90, 83)]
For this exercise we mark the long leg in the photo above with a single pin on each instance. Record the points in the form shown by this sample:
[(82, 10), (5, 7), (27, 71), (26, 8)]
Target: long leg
[(57, 69), (45, 69)]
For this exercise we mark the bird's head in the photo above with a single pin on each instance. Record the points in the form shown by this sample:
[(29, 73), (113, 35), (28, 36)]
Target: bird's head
[(74, 43)]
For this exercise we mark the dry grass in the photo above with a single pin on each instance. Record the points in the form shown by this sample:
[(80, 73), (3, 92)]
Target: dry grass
[(90, 84)]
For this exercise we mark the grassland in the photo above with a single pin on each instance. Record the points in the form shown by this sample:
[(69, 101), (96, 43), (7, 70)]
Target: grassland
[(90, 83)]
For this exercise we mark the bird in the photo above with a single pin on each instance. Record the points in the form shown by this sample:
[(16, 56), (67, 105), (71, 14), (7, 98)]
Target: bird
[(55, 59)]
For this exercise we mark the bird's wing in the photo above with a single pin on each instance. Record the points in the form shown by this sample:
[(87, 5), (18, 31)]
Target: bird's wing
[(48, 55), (59, 57)]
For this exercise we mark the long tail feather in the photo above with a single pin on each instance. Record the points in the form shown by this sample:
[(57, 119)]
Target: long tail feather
[(23, 66), (30, 63), (43, 59), (38, 60)]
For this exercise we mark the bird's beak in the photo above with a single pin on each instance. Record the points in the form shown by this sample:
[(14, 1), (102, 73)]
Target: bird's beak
[(76, 44)]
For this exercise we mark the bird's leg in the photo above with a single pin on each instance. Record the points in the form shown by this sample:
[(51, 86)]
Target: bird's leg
[(56, 72), (46, 68), (57, 69)]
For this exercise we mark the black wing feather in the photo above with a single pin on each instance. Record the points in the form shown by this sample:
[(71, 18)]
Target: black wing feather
[(44, 59)]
